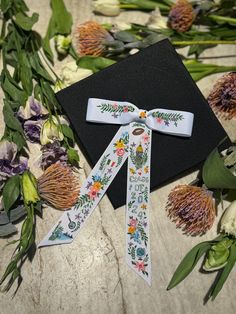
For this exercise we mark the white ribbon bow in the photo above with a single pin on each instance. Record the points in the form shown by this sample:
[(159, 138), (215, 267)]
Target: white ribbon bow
[(132, 141)]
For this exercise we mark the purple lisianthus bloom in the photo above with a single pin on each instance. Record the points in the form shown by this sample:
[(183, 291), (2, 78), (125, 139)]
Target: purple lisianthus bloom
[(31, 117), (33, 109), (51, 153), (10, 164), (32, 130)]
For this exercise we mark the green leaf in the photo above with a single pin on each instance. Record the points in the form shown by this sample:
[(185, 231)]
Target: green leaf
[(59, 23), (7, 230), (13, 90), (11, 121), (94, 63), (5, 5), (39, 68), (224, 273), (62, 17), (46, 41), (26, 22), (26, 74), (215, 174), (11, 191), (18, 139), (73, 156), (188, 263), (125, 36), (66, 130)]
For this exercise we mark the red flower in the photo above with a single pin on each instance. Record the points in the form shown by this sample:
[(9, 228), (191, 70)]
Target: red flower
[(140, 266), (159, 120), (125, 109)]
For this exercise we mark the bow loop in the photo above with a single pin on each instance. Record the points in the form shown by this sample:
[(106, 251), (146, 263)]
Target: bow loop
[(166, 121)]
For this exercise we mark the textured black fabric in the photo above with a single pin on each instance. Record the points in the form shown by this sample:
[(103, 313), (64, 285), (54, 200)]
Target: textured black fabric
[(152, 78)]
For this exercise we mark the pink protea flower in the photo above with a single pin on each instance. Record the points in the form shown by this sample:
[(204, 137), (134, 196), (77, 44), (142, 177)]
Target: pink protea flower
[(222, 97), (192, 208), (89, 39), (181, 16)]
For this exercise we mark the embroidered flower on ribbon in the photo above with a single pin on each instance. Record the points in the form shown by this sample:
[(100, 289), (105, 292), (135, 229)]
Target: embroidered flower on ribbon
[(140, 266)]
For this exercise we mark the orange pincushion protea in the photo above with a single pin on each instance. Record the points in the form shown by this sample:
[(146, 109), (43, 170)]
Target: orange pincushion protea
[(181, 16), (59, 186), (192, 209), (222, 98), (89, 39)]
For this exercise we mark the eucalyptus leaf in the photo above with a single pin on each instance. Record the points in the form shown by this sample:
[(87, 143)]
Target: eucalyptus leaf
[(215, 174), (11, 192), (125, 36), (7, 230), (4, 219), (17, 213), (188, 263), (25, 21), (94, 63)]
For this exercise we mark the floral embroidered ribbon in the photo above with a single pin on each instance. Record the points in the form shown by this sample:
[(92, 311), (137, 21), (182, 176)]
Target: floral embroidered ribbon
[(132, 141)]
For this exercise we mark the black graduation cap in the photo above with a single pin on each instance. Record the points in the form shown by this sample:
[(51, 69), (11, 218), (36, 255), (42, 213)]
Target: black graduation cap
[(153, 78)]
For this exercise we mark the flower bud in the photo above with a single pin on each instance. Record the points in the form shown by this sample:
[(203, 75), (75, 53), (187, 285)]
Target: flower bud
[(218, 255), (62, 43), (50, 131), (156, 20), (29, 187), (228, 221), (107, 7), (59, 85)]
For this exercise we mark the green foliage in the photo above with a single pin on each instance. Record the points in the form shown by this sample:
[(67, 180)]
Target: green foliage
[(189, 262), (11, 192), (60, 23), (26, 22), (95, 64), (216, 175)]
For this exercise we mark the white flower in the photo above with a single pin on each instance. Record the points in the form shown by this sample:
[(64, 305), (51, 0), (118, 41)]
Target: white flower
[(228, 221), (121, 26), (156, 20), (62, 43), (50, 131), (107, 7), (71, 73)]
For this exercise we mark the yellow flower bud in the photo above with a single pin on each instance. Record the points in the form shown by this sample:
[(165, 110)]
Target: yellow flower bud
[(29, 188), (50, 131)]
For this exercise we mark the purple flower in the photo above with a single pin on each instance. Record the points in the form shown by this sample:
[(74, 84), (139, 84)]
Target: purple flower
[(51, 153), (32, 130), (31, 117), (33, 108), (10, 164)]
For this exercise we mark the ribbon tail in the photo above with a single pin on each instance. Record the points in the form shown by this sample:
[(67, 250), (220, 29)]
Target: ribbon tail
[(137, 204), (92, 191)]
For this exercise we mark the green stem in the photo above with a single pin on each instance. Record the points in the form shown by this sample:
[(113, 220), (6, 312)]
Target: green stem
[(204, 42), (225, 19)]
